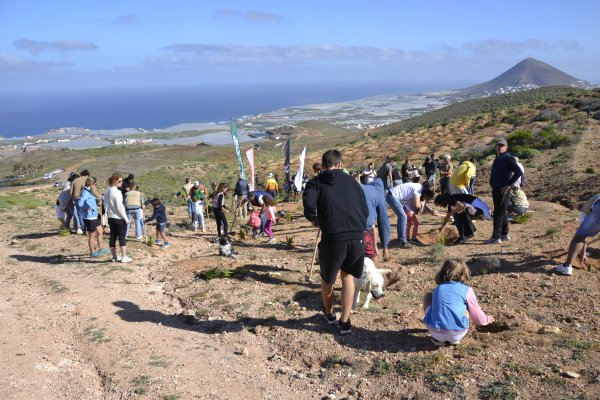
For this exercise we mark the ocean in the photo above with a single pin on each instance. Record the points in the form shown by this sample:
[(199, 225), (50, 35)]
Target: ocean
[(23, 114)]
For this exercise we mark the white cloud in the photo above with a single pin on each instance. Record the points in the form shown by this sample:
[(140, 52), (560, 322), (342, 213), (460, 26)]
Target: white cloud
[(36, 47), (252, 16), (11, 63), (127, 19), (495, 47), (189, 54)]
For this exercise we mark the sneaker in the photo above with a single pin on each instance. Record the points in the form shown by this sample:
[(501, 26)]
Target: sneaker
[(126, 259), (493, 240), (158, 242), (95, 254), (79, 232), (405, 245), (103, 251), (505, 237), (562, 269), (345, 327), (330, 318), (415, 241), (271, 240), (165, 246), (117, 259), (139, 238), (446, 343)]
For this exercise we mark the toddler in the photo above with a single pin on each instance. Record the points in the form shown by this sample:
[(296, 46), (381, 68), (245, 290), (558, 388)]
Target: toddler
[(160, 215), (198, 207), (271, 216), (254, 223), (446, 307)]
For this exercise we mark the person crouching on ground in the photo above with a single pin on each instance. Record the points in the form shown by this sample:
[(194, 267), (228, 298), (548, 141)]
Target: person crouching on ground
[(462, 207), (590, 226), (160, 215), (218, 208), (518, 204), (335, 203), (445, 308), (89, 209)]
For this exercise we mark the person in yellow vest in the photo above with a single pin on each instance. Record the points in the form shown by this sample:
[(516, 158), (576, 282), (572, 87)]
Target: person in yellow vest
[(461, 177), (271, 186)]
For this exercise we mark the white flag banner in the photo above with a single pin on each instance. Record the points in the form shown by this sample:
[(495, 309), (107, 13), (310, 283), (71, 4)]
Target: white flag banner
[(250, 156), (300, 173)]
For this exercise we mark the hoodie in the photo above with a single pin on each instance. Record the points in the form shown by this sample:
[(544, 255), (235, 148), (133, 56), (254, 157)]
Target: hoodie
[(337, 202), (375, 197)]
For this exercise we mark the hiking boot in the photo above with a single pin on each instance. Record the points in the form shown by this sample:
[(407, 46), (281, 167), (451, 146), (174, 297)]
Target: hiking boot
[(563, 269), (345, 327), (126, 259), (505, 237), (330, 318), (493, 240)]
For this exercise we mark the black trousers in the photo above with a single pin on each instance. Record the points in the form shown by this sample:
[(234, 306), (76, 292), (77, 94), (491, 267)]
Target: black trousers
[(220, 219), (500, 213), (445, 185), (118, 228)]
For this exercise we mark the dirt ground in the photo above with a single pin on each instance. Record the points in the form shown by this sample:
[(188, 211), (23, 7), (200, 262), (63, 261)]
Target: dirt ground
[(75, 327)]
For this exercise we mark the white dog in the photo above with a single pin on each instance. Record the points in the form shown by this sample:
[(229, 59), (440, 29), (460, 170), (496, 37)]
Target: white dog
[(371, 282)]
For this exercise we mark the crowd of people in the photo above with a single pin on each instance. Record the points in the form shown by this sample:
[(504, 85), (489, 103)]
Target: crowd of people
[(347, 207)]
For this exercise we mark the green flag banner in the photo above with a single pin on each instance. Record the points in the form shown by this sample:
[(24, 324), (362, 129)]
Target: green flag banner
[(236, 145)]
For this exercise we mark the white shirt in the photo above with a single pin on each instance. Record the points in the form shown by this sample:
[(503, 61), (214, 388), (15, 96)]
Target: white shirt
[(199, 207), (406, 191), (113, 203)]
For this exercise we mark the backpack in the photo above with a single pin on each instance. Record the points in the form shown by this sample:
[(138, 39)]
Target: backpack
[(254, 220)]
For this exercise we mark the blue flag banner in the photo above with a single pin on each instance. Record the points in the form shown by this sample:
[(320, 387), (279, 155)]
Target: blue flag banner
[(236, 145), (286, 166)]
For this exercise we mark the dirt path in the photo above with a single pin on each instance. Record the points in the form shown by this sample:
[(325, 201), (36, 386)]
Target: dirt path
[(98, 331)]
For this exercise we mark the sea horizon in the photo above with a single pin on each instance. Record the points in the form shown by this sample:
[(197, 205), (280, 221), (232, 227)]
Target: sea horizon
[(31, 114)]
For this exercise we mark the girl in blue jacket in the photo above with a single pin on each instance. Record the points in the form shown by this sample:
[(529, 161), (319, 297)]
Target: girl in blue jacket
[(451, 304), (89, 206)]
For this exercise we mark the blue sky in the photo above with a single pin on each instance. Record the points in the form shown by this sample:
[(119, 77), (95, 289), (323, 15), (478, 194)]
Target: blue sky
[(82, 45)]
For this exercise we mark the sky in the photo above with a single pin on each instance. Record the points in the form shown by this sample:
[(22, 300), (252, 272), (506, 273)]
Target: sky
[(79, 45)]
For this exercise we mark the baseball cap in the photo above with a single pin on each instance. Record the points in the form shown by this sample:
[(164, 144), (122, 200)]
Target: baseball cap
[(501, 141), (196, 183)]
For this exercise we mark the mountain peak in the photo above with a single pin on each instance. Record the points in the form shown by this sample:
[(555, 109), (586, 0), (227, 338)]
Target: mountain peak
[(527, 74)]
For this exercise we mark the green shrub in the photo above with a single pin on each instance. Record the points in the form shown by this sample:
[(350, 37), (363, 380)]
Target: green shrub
[(215, 273), (590, 170), (497, 390), (525, 152), (522, 219)]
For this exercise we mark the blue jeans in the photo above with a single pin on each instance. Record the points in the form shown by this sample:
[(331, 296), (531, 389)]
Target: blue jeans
[(263, 221), (398, 209), (69, 214), (78, 214), (190, 210), (137, 216)]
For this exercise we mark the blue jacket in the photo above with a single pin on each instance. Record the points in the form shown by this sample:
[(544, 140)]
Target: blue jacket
[(375, 196), (87, 203), (505, 171), (159, 214), (448, 307)]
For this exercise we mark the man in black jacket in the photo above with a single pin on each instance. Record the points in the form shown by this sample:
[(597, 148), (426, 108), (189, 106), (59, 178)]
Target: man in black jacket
[(505, 172), (335, 202)]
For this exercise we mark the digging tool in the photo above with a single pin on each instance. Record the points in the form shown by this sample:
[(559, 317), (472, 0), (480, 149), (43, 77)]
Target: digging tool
[(314, 257)]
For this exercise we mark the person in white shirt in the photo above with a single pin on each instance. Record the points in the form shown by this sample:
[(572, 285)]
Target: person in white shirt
[(117, 218), (406, 199)]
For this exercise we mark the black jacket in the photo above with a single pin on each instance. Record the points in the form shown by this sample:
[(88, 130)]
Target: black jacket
[(338, 203), (505, 171)]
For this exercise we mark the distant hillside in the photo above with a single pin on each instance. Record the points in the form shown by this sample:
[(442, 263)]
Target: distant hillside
[(528, 74), (476, 106)]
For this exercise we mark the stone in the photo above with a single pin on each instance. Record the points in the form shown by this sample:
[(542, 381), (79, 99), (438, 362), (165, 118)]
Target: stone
[(513, 275), (411, 271), (245, 352), (571, 374), (549, 330)]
